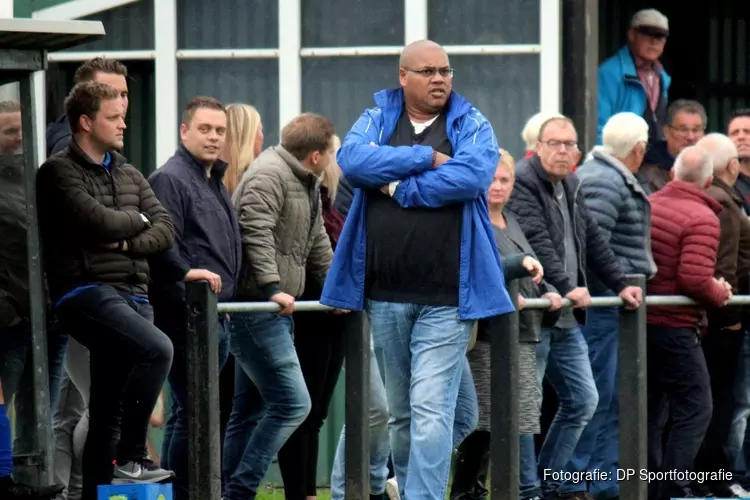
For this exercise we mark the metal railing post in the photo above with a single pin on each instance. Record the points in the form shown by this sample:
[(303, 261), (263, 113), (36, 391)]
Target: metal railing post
[(632, 391), (204, 458), (504, 393), (357, 417)]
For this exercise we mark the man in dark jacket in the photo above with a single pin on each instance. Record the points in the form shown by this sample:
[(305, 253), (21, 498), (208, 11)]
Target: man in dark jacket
[(99, 221), (685, 240), (190, 187), (568, 243), (725, 333), (686, 124), (619, 205)]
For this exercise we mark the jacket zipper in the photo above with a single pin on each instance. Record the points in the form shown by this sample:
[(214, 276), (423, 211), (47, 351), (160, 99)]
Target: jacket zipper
[(575, 235)]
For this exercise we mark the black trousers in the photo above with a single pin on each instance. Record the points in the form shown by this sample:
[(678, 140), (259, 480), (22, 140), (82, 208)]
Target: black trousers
[(130, 359), (678, 383), (721, 348), (319, 342)]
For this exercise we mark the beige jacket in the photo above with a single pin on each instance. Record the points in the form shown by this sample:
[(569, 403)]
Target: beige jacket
[(280, 216)]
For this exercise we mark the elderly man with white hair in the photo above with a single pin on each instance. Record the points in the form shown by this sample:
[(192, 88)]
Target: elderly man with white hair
[(725, 333), (618, 203), (685, 243)]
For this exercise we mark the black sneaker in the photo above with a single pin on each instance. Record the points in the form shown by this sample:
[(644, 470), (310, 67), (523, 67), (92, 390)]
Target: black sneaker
[(11, 490), (143, 471)]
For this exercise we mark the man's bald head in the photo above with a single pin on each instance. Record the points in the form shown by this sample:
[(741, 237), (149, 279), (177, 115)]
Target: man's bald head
[(426, 76), (414, 51), (694, 165), (721, 149)]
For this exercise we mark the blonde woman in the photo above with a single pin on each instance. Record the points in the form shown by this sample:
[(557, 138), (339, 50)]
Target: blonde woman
[(470, 473), (243, 144), (319, 342)]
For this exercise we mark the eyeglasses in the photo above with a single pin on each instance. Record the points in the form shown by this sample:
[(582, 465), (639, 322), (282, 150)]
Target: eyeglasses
[(569, 145), (686, 130), (429, 72)]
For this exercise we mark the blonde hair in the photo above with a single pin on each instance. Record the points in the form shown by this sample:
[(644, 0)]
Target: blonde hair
[(507, 160), (332, 174), (243, 122)]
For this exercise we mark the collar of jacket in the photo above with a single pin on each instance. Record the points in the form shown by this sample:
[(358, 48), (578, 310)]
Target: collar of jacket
[(687, 189), (603, 156), (729, 190), (295, 166), (569, 183), (392, 102), (218, 169), (80, 156)]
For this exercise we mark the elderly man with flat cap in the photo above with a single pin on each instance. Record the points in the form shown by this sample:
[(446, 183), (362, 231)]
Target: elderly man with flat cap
[(633, 79)]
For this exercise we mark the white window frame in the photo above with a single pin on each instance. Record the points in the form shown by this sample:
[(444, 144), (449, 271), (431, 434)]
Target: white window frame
[(290, 52)]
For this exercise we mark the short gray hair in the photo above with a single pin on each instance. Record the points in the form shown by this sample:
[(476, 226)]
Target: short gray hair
[(720, 148), (686, 106), (623, 132), (530, 133), (693, 165), (10, 107)]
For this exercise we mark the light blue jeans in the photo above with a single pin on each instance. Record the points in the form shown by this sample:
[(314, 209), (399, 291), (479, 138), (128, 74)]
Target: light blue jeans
[(422, 353), (563, 356)]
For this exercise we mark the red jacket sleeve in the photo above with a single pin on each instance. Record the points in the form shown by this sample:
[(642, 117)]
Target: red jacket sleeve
[(695, 271)]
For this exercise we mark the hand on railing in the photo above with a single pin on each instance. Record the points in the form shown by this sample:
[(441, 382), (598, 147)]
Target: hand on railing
[(521, 302), (632, 296), (340, 311), (580, 297), (286, 302), (214, 280), (556, 301), (727, 289)]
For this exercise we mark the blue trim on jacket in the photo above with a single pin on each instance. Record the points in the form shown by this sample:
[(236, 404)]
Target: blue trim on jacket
[(620, 88), (464, 178)]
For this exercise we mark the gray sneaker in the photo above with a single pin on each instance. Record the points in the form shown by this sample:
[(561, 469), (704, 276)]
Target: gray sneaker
[(140, 472)]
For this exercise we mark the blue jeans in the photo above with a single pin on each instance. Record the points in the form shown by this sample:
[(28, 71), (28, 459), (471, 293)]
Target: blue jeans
[(423, 350), (597, 448), (738, 444), (270, 400), (562, 355), (174, 448), (530, 486)]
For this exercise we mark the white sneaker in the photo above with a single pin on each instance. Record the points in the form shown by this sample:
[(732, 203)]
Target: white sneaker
[(391, 489), (739, 491)]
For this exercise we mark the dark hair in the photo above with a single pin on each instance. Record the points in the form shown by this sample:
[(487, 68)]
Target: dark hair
[(554, 119), (738, 113), (85, 99), (87, 71), (306, 134), (201, 102), (686, 106), (10, 107)]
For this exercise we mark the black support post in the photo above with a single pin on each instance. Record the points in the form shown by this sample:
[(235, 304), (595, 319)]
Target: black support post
[(632, 395), (204, 467), (38, 303), (357, 449), (504, 390), (580, 58)]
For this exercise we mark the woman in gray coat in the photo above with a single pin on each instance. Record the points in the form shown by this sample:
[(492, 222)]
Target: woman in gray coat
[(470, 475)]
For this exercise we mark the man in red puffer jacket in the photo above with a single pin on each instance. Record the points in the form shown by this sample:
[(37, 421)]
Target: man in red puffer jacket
[(685, 240)]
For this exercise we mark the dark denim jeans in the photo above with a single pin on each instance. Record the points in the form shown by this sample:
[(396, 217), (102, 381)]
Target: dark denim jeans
[(172, 320), (563, 356), (130, 360), (270, 399), (597, 448)]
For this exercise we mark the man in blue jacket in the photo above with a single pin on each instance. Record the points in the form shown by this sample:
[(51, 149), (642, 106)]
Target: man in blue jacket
[(633, 79), (418, 253), (207, 247)]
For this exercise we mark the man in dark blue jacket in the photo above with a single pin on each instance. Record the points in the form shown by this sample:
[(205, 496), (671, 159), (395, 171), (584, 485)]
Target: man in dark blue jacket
[(207, 247), (424, 264)]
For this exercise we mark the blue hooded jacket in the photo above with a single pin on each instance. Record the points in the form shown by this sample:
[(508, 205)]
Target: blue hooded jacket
[(464, 178)]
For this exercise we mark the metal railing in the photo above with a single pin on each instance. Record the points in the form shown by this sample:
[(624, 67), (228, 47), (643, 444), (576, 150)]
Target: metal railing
[(203, 391)]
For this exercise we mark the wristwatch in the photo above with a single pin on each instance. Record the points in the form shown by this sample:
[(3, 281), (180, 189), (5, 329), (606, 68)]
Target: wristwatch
[(146, 219)]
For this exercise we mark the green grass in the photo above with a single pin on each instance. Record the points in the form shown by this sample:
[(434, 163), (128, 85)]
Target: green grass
[(276, 493)]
